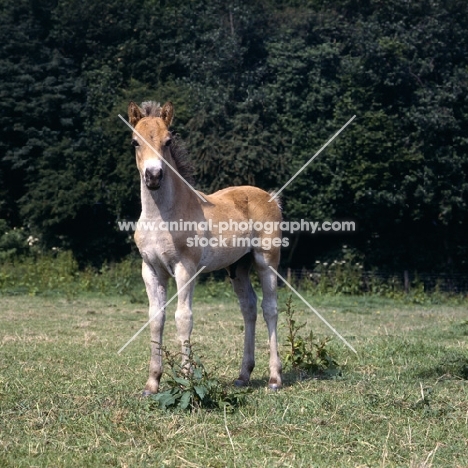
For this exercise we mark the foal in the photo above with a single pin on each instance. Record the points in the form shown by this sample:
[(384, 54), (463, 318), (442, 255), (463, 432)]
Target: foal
[(223, 230)]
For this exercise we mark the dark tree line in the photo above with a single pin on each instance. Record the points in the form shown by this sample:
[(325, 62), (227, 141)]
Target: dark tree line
[(258, 88)]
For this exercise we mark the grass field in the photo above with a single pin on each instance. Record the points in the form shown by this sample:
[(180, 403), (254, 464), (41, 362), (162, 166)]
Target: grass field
[(68, 400)]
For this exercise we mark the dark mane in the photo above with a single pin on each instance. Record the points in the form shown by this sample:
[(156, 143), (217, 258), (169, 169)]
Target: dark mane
[(178, 150), (181, 159), (151, 109)]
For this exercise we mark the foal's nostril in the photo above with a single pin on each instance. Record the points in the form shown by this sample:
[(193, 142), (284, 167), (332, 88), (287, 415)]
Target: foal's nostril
[(152, 174), (153, 178)]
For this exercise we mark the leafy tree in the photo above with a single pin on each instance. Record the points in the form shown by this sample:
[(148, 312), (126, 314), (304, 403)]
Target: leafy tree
[(258, 88)]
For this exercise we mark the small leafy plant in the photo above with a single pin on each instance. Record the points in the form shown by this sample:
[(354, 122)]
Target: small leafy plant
[(307, 356), (191, 387)]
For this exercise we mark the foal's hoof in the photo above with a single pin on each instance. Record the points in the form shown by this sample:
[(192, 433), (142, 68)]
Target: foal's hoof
[(240, 383), (146, 393), (273, 385)]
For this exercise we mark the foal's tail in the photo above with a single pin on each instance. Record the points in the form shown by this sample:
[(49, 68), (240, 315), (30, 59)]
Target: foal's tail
[(275, 198)]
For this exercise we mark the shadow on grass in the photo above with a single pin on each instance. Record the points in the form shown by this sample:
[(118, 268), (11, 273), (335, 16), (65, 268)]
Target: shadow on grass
[(452, 365), (294, 377)]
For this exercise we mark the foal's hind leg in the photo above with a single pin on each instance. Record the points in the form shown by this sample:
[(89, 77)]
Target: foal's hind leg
[(268, 281), (240, 280)]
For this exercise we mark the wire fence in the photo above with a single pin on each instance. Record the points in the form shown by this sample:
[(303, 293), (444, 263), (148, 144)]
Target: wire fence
[(404, 280)]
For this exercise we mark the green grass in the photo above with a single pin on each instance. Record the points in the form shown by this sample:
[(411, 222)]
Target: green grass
[(67, 399)]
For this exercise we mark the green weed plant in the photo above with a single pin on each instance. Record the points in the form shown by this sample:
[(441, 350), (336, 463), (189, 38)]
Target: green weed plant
[(307, 355), (191, 387)]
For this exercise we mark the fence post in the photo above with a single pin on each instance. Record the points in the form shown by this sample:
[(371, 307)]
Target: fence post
[(406, 281)]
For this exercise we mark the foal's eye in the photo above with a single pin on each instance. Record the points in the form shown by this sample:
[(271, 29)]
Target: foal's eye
[(135, 143)]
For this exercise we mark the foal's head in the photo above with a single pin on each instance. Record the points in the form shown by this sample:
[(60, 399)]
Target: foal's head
[(151, 139)]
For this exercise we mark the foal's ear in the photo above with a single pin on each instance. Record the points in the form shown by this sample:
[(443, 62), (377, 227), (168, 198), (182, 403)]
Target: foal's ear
[(134, 113), (167, 113)]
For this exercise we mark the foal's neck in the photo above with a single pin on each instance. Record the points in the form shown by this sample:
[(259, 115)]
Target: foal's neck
[(165, 203)]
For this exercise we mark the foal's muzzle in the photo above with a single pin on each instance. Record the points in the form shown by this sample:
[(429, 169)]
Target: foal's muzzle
[(153, 178)]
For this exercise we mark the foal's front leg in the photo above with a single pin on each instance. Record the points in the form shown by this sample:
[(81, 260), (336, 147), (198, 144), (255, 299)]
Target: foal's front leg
[(183, 315), (156, 283)]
